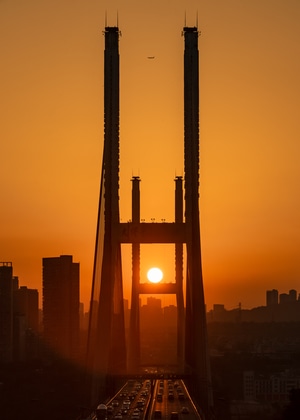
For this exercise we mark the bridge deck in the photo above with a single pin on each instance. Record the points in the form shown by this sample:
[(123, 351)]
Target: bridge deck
[(150, 399)]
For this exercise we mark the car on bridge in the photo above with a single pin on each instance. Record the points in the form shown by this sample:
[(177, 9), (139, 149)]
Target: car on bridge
[(101, 412), (185, 410)]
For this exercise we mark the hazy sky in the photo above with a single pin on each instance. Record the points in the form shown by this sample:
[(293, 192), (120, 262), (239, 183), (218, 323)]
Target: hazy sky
[(51, 133)]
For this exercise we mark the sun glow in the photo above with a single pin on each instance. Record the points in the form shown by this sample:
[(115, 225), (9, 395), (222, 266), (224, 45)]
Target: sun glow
[(155, 275)]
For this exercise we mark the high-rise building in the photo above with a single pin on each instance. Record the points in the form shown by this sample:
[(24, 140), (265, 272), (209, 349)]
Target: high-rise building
[(272, 297), (26, 302), (293, 295), (7, 285), (26, 323), (61, 305)]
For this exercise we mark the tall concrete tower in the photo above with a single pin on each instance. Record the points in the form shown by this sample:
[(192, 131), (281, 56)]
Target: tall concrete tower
[(196, 351), (106, 346)]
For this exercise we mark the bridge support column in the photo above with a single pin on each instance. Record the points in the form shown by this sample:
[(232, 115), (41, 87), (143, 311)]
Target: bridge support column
[(134, 328)]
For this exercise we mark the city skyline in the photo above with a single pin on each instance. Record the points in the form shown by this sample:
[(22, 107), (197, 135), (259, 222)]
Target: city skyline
[(270, 296), (52, 135)]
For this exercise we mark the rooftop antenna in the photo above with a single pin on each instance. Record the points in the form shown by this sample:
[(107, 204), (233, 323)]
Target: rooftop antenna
[(197, 19), (105, 18), (117, 18), (185, 18)]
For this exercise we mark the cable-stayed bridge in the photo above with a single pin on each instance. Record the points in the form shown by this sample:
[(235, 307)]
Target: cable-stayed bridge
[(109, 357)]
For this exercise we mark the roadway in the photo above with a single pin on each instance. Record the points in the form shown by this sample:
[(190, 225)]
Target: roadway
[(148, 399), (171, 400)]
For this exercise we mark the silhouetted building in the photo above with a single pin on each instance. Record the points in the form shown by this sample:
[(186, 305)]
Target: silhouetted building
[(61, 305), (170, 316), (288, 297), (154, 303), (272, 297), (270, 388), (287, 309), (293, 295), (25, 323), (7, 284), (151, 313), (26, 302), (284, 298), (218, 312)]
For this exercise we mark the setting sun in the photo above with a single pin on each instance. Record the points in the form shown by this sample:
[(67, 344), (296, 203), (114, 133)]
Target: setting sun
[(155, 275)]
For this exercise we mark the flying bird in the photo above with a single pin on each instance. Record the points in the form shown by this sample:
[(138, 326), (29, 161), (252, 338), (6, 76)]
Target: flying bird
[(151, 57)]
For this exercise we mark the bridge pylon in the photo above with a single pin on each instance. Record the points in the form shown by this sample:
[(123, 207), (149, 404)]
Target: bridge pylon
[(107, 352)]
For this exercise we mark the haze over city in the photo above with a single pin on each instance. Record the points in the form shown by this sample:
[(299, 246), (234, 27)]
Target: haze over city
[(51, 132)]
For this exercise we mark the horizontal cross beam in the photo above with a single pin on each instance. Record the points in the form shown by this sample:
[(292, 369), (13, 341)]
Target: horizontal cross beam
[(155, 233), (159, 288)]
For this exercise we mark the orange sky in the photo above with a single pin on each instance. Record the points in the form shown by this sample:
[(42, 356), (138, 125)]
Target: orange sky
[(51, 131)]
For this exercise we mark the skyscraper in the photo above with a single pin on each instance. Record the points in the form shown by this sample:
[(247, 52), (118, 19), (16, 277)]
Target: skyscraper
[(7, 285), (25, 302), (61, 305), (26, 323), (272, 297)]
